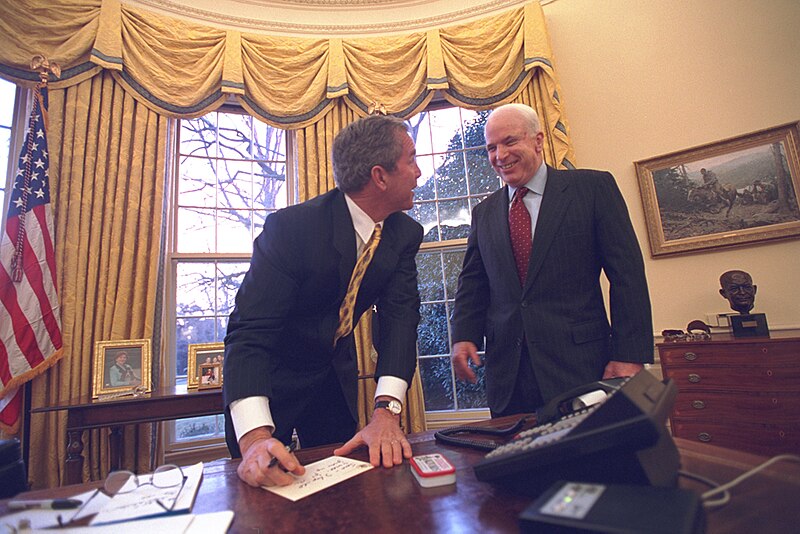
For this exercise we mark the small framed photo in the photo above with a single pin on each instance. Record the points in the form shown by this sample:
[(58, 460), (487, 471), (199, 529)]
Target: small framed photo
[(199, 354), (210, 376), (728, 193), (120, 366)]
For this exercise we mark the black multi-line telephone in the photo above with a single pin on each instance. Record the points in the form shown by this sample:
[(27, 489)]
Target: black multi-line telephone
[(620, 439)]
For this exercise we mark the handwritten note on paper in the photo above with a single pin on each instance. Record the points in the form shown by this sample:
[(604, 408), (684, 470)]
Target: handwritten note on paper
[(321, 475)]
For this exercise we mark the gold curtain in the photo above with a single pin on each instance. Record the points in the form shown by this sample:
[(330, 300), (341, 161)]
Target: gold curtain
[(107, 167)]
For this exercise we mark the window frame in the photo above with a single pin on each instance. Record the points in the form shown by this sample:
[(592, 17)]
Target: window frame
[(172, 446)]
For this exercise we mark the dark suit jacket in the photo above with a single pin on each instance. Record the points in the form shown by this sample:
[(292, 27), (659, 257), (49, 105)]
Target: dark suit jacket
[(279, 342), (583, 227)]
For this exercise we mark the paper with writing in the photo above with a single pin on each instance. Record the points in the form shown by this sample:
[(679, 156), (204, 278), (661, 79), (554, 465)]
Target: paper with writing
[(143, 501), (320, 475)]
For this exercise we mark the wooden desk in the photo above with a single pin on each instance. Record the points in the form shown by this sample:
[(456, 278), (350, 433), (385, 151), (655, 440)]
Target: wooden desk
[(162, 404), (390, 500)]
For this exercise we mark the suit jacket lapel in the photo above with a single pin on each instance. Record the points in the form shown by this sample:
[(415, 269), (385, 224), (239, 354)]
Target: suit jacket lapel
[(554, 204), (344, 241)]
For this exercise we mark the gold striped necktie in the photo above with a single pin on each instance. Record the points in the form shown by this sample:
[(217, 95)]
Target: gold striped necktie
[(348, 305)]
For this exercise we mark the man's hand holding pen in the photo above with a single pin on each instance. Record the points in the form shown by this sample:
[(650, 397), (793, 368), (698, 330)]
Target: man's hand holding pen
[(266, 461)]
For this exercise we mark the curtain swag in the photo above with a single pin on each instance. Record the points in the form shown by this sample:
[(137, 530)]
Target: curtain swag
[(183, 69)]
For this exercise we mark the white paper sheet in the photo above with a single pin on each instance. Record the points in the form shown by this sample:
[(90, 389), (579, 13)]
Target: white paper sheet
[(320, 475), (211, 523)]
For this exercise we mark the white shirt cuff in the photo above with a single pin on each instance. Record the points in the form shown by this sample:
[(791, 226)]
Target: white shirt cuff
[(391, 386), (249, 413)]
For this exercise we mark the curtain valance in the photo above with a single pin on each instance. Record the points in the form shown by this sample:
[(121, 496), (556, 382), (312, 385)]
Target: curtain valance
[(184, 69)]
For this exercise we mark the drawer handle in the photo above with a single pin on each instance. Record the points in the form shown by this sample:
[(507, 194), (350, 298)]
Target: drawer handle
[(690, 356), (698, 405), (694, 378), (705, 437)]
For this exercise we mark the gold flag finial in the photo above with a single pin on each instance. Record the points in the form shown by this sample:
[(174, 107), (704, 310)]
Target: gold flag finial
[(44, 67)]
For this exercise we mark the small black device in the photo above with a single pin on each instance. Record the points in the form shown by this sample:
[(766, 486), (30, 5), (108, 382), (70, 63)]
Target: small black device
[(620, 439), (621, 509)]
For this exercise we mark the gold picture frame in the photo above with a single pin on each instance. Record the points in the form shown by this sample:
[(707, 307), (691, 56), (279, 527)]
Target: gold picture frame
[(200, 353), (210, 376), (110, 374), (728, 193)]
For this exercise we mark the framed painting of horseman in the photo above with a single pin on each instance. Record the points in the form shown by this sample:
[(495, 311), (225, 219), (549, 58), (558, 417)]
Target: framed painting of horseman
[(727, 193)]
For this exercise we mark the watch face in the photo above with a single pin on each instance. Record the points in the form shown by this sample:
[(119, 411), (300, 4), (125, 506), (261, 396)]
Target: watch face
[(395, 407)]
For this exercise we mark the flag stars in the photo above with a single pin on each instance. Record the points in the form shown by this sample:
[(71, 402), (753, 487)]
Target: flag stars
[(39, 193), (18, 202), (39, 133), (39, 163)]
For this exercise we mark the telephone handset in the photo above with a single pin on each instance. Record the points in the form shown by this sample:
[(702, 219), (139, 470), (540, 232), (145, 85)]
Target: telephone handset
[(571, 401), (621, 439), (577, 399)]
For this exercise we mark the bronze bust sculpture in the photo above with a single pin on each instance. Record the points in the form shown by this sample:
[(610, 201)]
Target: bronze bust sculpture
[(738, 288)]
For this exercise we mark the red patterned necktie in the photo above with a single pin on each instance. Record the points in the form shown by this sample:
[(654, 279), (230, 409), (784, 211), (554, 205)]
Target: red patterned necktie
[(519, 222)]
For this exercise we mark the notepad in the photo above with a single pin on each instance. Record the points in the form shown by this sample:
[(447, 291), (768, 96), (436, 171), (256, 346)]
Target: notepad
[(320, 475)]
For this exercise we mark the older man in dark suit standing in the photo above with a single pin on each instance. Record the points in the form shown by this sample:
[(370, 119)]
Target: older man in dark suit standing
[(290, 360), (530, 284)]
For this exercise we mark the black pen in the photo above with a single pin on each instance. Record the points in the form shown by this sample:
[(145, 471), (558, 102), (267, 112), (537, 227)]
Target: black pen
[(44, 504), (289, 448)]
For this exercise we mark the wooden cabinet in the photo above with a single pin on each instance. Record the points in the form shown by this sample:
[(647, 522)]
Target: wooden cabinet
[(739, 393)]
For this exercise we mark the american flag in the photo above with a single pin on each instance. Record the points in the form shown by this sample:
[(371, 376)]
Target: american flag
[(30, 321)]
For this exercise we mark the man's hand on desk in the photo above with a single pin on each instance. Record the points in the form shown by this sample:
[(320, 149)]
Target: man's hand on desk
[(258, 449), (384, 438)]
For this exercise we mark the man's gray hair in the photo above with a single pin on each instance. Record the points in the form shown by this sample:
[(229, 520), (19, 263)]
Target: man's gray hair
[(527, 113), (370, 141)]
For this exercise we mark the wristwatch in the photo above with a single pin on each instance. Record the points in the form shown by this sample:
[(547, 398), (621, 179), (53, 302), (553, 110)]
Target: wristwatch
[(393, 406)]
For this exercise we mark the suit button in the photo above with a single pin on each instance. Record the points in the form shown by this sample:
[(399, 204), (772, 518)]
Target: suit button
[(524, 304), (518, 342)]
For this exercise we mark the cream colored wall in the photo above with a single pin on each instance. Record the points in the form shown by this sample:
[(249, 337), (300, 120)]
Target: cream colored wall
[(645, 78)]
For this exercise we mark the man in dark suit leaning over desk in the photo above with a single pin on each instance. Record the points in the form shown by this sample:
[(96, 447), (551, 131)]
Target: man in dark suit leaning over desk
[(290, 359), (530, 283)]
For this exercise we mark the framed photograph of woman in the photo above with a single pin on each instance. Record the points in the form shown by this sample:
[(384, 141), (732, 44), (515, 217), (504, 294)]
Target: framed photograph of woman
[(210, 376), (120, 366), (199, 354)]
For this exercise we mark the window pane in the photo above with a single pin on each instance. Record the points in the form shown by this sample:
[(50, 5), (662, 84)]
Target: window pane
[(197, 182), (453, 261), (470, 396), (437, 383), (481, 175), (195, 289), (190, 330), (230, 278), (198, 136), (432, 332), (269, 185), (235, 231), (450, 182), (426, 183), (425, 214), (429, 276), (446, 129), (235, 184), (270, 143), (235, 136), (196, 230), (454, 219), (209, 426)]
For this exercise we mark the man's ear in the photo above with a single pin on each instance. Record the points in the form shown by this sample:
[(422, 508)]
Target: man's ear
[(378, 177), (755, 288), (722, 292)]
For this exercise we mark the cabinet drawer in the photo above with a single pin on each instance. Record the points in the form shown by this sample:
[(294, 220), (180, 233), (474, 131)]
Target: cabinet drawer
[(758, 379), (734, 408), (760, 439), (777, 353)]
